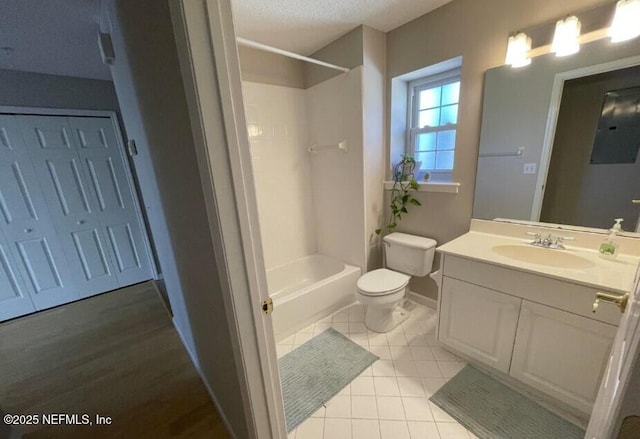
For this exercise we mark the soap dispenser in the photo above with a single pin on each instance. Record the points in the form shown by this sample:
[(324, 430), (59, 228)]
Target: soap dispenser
[(609, 247)]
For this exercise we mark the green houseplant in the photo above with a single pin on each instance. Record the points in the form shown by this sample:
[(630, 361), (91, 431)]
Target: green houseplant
[(404, 183)]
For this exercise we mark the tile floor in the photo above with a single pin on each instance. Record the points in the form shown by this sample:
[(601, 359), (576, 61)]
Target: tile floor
[(389, 400)]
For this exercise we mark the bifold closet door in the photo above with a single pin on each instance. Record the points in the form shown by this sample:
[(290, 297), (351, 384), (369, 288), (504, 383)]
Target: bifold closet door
[(34, 270), (69, 224), (103, 162), (14, 299), (73, 209)]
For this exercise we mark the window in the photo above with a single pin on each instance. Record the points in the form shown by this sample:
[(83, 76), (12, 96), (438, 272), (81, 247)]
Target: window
[(433, 105)]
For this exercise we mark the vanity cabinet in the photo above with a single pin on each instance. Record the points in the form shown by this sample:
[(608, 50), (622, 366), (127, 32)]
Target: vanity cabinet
[(479, 322), (561, 354), (538, 330)]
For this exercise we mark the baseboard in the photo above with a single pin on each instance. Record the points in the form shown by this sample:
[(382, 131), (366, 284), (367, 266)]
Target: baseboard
[(161, 291), (423, 300), (195, 363)]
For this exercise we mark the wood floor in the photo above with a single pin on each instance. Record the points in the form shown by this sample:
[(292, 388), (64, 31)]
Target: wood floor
[(116, 355)]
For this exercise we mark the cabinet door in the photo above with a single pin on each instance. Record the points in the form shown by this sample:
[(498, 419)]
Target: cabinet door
[(561, 354), (478, 322)]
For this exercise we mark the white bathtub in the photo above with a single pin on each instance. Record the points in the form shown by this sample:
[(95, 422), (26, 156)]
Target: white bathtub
[(309, 289)]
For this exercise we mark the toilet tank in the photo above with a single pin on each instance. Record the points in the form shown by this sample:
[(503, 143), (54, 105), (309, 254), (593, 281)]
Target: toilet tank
[(409, 254)]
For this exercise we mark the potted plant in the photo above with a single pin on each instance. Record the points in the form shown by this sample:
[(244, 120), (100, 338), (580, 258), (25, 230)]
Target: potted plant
[(404, 183)]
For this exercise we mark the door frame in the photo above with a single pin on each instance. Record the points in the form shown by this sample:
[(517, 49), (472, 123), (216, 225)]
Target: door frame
[(208, 55), (65, 112)]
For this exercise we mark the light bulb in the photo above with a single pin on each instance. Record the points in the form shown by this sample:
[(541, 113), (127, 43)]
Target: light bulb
[(566, 38), (626, 21), (517, 50)]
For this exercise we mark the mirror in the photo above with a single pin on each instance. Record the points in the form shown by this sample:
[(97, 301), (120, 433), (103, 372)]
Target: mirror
[(560, 137)]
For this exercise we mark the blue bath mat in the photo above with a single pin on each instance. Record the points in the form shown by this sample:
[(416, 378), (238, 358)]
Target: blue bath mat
[(492, 410), (317, 371)]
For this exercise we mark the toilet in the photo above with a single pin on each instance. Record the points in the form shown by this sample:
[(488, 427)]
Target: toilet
[(383, 290)]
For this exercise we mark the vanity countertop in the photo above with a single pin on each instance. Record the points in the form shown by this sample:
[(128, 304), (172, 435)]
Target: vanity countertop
[(617, 275)]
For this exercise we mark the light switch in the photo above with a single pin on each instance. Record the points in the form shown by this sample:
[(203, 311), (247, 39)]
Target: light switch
[(529, 168)]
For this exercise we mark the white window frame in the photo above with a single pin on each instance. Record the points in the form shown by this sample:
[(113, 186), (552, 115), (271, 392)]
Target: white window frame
[(413, 131)]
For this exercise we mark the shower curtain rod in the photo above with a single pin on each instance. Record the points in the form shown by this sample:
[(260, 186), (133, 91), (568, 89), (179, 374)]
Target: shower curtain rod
[(260, 46)]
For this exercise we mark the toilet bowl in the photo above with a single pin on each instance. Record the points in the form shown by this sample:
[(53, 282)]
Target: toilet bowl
[(383, 290)]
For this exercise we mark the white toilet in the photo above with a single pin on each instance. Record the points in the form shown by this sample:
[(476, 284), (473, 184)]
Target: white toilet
[(383, 290)]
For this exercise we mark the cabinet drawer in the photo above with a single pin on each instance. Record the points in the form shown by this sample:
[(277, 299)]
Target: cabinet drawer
[(561, 354), (567, 296), (478, 322)]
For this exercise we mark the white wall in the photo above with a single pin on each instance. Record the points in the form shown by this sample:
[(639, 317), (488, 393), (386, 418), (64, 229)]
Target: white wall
[(279, 138), (310, 203), (335, 112)]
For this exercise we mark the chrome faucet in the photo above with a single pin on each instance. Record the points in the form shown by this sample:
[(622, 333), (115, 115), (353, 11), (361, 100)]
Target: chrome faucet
[(553, 242)]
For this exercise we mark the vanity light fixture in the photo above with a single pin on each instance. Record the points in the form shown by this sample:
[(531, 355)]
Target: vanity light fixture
[(567, 36), (626, 21), (518, 50), (566, 39)]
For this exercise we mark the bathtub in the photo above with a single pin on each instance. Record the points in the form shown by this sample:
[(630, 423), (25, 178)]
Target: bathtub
[(309, 289)]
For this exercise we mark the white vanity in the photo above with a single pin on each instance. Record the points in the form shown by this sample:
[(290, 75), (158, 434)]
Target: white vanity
[(527, 312)]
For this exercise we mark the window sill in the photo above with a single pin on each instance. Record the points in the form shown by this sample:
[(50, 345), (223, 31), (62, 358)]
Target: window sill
[(431, 186)]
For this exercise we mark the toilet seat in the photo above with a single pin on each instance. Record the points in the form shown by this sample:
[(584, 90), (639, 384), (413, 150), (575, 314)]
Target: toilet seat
[(382, 282)]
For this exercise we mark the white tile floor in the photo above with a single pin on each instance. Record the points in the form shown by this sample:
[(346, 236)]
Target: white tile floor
[(389, 400)]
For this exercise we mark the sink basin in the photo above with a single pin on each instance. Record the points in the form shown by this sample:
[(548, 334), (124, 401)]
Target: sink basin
[(543, 256)]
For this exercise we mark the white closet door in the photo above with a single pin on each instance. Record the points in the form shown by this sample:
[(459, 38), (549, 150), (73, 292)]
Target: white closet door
[(72, 205), (29, 234), (14, 298), (102, 158)]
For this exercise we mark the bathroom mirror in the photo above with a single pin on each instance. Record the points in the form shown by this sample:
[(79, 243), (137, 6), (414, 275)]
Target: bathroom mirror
[(560, 137)]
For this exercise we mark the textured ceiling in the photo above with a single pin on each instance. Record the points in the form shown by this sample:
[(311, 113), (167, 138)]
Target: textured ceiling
[(51, 36), (60, 36), (304, 26)]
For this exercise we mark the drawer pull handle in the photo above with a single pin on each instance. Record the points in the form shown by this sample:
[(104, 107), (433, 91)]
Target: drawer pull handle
[(620, 301)]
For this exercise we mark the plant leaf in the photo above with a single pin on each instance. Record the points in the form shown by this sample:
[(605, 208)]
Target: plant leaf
[(415, 202), (414, 184), (378, 231), (404, 210)]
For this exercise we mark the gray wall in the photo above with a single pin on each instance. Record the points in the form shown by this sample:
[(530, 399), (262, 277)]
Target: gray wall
[(346, 51), (478, 31), (578, 192), (270, 68), (374, 64), (26, 89), (148, 81)]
